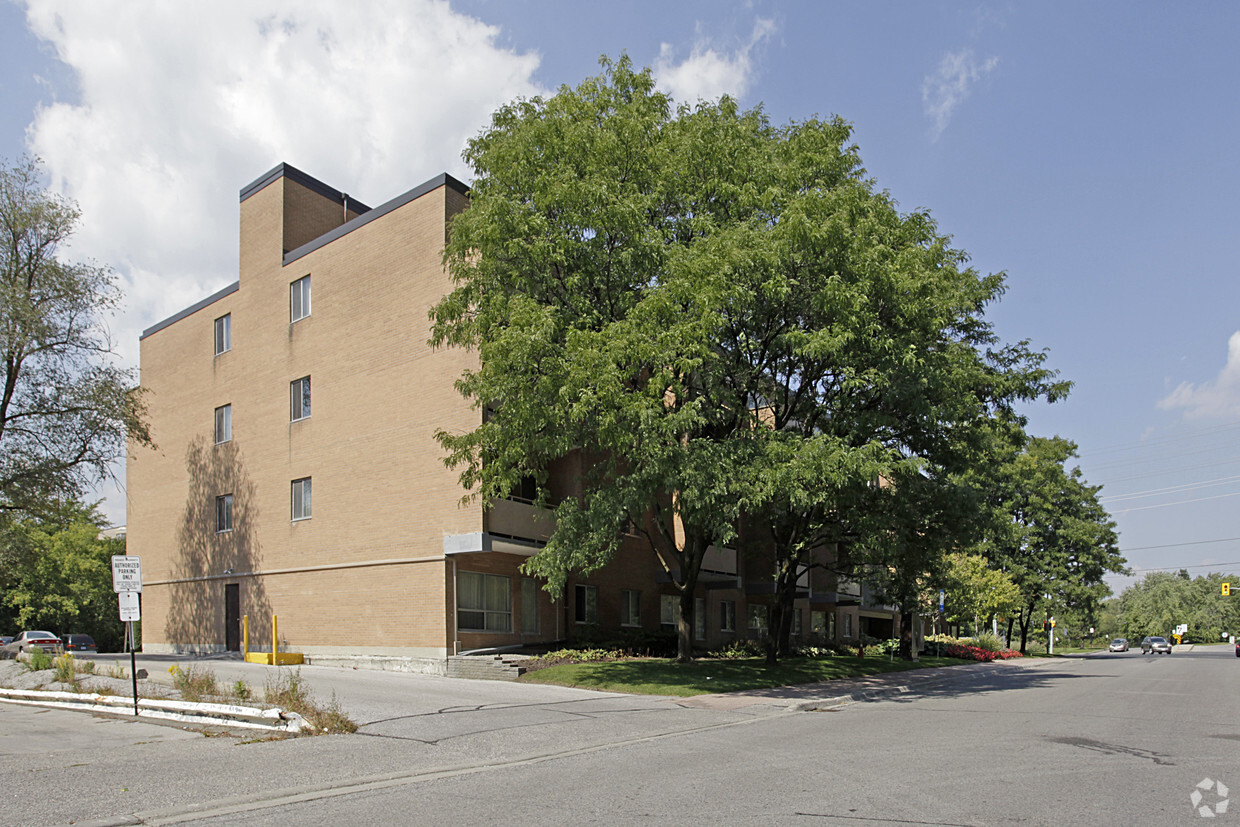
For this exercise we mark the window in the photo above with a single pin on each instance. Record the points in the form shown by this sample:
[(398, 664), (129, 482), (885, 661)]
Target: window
[(757, 617), (223, 513), (529, 606), (727, 616), (299, 299), (483, 602), (586, 604), (630, 608), (699, 618), (667, 609), (223, 424), (301, 499), (223, 334), (846, 625), (796, 622), (818, 622), (300, 390)]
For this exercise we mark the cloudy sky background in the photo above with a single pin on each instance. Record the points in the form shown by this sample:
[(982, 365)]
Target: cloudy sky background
[(1087, 150)]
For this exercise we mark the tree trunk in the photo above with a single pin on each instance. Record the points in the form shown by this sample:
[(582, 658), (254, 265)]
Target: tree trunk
[(780, 632), (684, 626), (906, 635)]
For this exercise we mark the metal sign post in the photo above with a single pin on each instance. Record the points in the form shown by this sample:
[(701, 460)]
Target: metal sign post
[(127, 583)]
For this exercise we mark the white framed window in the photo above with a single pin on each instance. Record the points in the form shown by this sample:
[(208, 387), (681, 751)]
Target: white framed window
[(223, 424), (483, 602), (301, 499), (699, 618), (529, 606), (585, 606), (299, 392), (757, 617), (667, 609), (223, 334), (223, 513), (846, 625), (727, 615), (630, 607), (796, 622), (299, 299)]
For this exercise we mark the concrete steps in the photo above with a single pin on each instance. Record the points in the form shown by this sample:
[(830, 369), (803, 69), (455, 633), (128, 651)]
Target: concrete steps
[(486, 667)]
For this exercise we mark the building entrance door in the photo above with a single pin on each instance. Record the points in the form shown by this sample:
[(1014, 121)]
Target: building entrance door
[(232, 617)]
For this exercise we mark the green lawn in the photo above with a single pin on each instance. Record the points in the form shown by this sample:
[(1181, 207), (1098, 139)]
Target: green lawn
[(665, 677)]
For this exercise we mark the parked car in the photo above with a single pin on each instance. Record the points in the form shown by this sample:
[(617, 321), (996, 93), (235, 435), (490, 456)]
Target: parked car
[(79, 643), (4, 639), (1118, 645), (1238, 648), (28, 641), (1155, 645)]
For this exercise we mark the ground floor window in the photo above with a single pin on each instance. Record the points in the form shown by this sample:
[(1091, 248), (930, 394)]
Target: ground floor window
[(699, 618), (818, 623), (586, 604), (796, 621), (667, 609), (727, 615), (630, 608), (483, 602), (757, 618), (846, 625), (529, 606)]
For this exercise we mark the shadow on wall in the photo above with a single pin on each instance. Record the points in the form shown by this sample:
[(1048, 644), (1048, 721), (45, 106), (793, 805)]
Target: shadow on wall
[(196, 616)]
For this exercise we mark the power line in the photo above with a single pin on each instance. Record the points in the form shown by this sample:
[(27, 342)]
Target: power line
[(1177, 568), (1174, 489), (1179, 545), (1178, 502)]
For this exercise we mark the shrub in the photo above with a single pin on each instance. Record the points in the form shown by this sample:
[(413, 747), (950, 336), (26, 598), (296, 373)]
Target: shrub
[(988, 641), (289, 692), (738, 649), (241, 691), (65, 671), (37, 660), (194, 684)]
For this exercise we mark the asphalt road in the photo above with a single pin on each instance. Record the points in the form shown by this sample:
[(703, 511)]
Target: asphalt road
[(1118, 739)]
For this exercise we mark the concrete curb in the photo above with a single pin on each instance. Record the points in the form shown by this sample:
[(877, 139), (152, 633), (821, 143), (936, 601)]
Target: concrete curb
[(228, 715)]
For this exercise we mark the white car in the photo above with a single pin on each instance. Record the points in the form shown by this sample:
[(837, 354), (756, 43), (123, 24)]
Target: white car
[(29, 641), (1118, 645)]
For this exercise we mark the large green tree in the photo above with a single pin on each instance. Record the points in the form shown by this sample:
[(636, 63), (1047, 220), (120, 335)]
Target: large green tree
[(1160, 601), (724, 317), (66, 409), (1047, 530), (56, 574)]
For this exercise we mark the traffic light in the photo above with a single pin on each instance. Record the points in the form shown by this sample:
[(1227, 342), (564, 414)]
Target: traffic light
[(1226, 590)]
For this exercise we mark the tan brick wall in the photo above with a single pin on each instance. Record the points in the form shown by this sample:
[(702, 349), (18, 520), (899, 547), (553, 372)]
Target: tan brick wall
[(379, 392)]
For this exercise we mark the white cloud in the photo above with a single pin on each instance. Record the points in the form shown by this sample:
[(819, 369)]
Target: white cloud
[(181, 105), (709, 73), (951, 85), (1219, 399)]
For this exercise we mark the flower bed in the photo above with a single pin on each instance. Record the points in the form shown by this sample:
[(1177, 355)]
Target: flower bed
[(962, 650)]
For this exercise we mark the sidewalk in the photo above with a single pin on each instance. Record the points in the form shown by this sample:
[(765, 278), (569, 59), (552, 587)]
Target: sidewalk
[(812, 697)]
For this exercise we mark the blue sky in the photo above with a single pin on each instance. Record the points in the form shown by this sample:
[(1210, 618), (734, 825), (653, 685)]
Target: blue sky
[(1085, 149)]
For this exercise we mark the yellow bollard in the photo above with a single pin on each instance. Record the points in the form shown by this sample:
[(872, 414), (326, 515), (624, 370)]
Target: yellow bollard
[(274, 645), (245, 636)]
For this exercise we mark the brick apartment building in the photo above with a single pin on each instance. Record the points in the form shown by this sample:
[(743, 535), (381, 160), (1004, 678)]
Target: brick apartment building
[(297, 473)]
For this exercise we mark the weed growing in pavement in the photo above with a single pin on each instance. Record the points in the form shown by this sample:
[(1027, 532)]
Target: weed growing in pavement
[(65, 670), (117, 671), (38, 660), (288, 691), (241, 691), (86, 667), (194, 683)]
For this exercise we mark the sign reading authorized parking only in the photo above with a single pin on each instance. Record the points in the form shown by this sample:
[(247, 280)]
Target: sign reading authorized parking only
[(126, 574)]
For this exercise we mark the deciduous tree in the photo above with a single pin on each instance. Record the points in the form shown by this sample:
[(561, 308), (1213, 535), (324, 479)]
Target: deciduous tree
[(66, 409)]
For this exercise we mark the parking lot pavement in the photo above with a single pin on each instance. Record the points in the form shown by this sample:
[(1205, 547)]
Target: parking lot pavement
[(39, 731)]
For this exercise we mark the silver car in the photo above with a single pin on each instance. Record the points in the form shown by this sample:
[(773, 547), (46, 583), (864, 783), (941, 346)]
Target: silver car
[(29, 641), (1155, 645), (1118, 645)]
